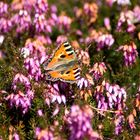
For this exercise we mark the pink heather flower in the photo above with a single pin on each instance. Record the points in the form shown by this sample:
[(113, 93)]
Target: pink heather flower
[(35, 49), (1, 39), (20, 78), (98, 70), (33, 67), (41, 6), (53, 8), (3, 8), (110, 2), (118, 124), (40, 112), (82, 83), (41, 24), (5, 25), (19, 100), (130, 53), (104, 40), (123, 2), (90, 10), (22, 20), (16, 136), (60, 39), (34, 53), (129, 17), (64, 22), (79, 123), (53, 94), (137, 13), (43, 134), (107, 23), (110, 96), (46, 40)]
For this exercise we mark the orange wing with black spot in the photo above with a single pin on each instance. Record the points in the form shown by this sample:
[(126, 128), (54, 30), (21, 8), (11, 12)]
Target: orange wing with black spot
[(71, 75), (63, 54)]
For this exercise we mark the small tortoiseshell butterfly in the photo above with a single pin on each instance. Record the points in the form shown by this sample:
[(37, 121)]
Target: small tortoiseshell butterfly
[(63, 65)]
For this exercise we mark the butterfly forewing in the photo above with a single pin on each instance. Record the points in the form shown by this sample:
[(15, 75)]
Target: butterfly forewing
[(63, 64)]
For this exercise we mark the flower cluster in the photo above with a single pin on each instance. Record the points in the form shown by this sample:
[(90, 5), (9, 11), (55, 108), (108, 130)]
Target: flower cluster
[(3, 8), (130, 18), (129, 52), (53, 94), (119, 2), (21, 99), (110, 96), (88, 13), (44, 134), (98, 70), (22, 21), (34, 53), (79, 122), (104, 40)]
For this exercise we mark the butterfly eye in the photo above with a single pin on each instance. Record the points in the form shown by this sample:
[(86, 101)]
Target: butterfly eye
[(62, 56)]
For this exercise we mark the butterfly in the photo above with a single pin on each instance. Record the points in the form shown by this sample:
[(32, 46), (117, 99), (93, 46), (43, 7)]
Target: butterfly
[(63, 65)]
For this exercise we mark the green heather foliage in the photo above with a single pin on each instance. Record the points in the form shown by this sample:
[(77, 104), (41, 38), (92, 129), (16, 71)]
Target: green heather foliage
[(118, 71)]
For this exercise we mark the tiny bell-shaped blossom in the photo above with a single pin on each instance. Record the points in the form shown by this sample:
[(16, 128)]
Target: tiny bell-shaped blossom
[(98, 70), (130, 53)]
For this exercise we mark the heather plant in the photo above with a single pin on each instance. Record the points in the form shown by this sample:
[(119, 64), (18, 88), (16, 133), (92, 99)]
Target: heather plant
[(103, 103)]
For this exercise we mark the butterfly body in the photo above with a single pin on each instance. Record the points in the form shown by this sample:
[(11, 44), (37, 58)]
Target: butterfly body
[(63, 65)]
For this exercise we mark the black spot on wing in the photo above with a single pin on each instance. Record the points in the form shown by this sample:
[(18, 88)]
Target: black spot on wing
[(69, 49), (66, 44), (77, 71), (70, 53), (77, 76), (62, 56), (67, 72)]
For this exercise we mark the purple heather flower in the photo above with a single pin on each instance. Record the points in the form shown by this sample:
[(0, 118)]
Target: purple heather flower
[(129, 17), (104, 40), (79, 122), (98, 70), (82, 83), (53, 9), (3, 8), (53, 94), (41, 24), (35, 49), (22, 20), (123, 2), (16, 136), (110, 96), (41, 6), (20, 78), (33, 67), (64, 22), (118, 124), (1, 39), (34, 53), (5, 25), (137, 13), (130, 53), (19, 100), (43, 134), (60, 39), (40, 112), (46, 40), (107, 23)]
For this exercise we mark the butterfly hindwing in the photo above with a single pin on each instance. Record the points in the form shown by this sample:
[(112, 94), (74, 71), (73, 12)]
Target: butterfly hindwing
[(70, 75)]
